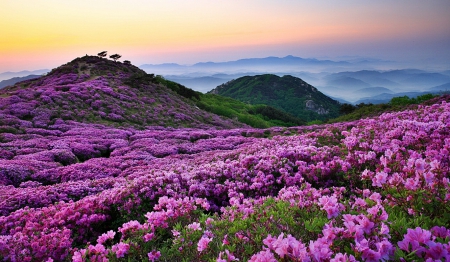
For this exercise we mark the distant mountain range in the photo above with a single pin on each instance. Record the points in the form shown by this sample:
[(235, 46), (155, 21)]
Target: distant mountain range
[(385, 97), (9, 75), (441, 88), (252, 63), (287, 93), (393, 78), (353, 86), (261, 65), (14, 80)]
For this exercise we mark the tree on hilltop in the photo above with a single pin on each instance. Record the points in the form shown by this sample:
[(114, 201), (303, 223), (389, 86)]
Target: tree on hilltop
[(127, 62), (115, 57), (102, 54)]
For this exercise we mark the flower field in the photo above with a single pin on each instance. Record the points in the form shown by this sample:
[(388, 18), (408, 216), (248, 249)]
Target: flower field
[(98, 168), (370, 190)]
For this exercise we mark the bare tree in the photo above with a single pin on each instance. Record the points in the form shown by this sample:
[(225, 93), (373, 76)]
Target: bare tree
[(115, 57), (102, 54)]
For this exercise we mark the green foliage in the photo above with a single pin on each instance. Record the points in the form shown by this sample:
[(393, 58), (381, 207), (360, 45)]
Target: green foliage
[(138, 79), (259, 116), (370, 110), (253, 121), (399, 221), (115, 57), (102, 54), (272, 113), (346, 109), (243, 234), (315, 122), (178, 88), (405, 100), (9, 129)]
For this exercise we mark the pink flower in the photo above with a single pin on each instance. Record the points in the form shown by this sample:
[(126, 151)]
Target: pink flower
[(268, 241), (437, 251), (149, 236), (429, 177), (194, 226), (320, 250), (384, 230), (343, 258), (175, 233), (385, 249), (379, 179), (331, 205), (229, 257), (414, 237), (203, 243), (371, 255), (121, 249), (263, 256), (154, 255), (78, 255), (365, 224), (106, 236), (281, 246), (225, 240), (420, 165), (209, 221)]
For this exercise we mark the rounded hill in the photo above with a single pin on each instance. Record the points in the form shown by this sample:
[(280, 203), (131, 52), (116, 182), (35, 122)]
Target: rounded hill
[(92, 89), (287, 93)]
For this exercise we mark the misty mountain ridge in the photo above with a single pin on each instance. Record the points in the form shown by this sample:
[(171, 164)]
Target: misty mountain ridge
[(372, 91), (442, 88), (259, 65), (386, 97), (9, 75), (345, 84), (15, 80)]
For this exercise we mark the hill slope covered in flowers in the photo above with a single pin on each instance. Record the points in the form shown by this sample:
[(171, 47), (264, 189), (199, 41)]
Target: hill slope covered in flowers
[(96, 90), (375, 189)]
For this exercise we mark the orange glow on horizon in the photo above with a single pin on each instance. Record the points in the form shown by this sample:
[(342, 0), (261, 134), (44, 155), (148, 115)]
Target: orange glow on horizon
[(50, 28)]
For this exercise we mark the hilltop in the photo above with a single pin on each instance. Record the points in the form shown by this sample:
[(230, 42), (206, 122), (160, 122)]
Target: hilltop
[(287, 93), (96, 90)]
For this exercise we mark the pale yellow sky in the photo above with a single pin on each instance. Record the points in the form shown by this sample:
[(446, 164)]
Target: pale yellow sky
[(45, 33)]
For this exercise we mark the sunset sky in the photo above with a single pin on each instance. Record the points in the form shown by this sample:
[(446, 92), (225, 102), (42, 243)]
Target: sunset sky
[(37, 34)]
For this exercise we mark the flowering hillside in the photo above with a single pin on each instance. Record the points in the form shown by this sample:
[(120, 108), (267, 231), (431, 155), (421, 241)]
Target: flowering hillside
[(96, 90), (369, 190)]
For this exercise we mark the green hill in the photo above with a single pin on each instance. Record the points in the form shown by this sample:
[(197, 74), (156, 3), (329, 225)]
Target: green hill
[(287, 93), (259, 116)]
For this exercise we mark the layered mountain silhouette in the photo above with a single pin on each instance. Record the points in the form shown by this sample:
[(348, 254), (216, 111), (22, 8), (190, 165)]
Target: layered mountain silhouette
[(14, 80), (442, 88), (287, 93), (9, 75)]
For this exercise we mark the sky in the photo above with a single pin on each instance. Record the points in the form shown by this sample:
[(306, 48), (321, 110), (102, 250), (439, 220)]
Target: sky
[(43, 34)]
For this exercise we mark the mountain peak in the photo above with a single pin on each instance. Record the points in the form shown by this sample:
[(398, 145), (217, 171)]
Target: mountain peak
[(95, 66)]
